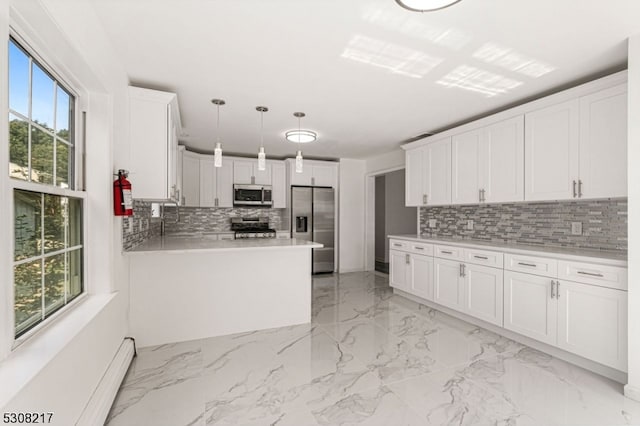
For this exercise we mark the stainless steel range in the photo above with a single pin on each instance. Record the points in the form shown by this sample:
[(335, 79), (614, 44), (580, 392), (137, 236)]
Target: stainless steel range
[(252, 227)]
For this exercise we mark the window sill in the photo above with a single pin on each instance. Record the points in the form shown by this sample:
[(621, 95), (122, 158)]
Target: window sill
[(27, 360)]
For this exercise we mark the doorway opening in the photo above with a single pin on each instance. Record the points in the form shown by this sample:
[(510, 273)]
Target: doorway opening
[(390, 215)]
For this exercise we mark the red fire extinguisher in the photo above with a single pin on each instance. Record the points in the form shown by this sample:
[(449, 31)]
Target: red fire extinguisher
[(122, 200)]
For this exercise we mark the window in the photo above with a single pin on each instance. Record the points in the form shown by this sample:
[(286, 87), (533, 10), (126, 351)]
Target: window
[(48, 222)]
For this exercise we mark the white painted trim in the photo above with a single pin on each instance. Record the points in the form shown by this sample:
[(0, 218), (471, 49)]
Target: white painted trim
[(370, 215), (564, 95), (632, 392), (603, 370), (97, 409)]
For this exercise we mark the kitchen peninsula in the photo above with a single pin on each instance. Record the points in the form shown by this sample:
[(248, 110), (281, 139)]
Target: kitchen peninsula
[(193, 288)]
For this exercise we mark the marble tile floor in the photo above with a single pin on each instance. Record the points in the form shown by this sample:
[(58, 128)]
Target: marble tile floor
[(368, 357)]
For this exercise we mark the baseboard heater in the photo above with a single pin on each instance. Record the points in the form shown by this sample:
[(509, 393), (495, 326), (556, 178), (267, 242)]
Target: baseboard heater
[(96, 411)]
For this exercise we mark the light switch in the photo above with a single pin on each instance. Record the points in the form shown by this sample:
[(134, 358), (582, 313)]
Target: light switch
[(470, 225), (432, 223), (576, 228)]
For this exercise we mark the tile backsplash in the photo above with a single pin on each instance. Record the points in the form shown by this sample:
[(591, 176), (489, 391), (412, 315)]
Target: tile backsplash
[(138, 228), (604, 223), (203, 220)]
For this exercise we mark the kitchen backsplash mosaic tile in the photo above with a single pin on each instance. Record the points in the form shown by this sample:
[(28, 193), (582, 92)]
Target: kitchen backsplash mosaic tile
[(203, 220), (604, 223), (138, 228)]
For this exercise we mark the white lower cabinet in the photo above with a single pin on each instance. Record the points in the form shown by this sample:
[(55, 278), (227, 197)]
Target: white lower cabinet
[(421, 276), (448, 288), (592, 322), (483, 288), (529, 308), (398, 271)]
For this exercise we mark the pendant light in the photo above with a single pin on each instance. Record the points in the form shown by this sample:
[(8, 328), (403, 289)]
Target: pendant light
[(299, 159), (426, 5), (262, 158), (217, 152)]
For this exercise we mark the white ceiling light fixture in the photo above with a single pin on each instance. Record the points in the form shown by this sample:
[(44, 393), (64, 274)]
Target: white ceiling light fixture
[(217, 152), (262, 157), (426, 5)]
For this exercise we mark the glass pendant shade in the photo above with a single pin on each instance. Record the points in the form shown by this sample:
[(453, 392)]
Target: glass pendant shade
[(299, 161), (217, 155), (425, 5), (262, 160)]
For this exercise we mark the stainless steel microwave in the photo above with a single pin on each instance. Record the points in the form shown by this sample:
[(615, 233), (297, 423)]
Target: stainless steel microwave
[(252, 195)]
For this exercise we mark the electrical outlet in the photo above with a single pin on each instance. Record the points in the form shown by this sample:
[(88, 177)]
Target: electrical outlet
[(432, 223), (470, 225), (576, 228), (130, 227)]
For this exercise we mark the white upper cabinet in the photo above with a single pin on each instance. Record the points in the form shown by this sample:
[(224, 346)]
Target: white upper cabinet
[(551, 152), (465, 167), (154, 121), (414, 177), (438, 173), (190, 179), (502, 161), (247, 172), (216, 183), (279, 183), (603, 144), (314, 173), (324, 174)]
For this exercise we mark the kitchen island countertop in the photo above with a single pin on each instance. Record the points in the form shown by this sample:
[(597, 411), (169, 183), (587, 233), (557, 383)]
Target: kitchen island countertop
[(188, 244)]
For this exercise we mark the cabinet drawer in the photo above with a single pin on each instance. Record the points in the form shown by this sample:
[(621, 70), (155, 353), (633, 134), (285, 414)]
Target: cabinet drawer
[(484, 257), (229, 236), (283, 235), (421, 248), (449, 252), (399, 245), (604, 276), (531, 265)]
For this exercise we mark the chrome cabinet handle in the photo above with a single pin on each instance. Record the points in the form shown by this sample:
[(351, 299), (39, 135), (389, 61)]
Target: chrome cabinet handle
[(460, 270), (483, 198), (313, 181), (424, 199), (557, 289), (479, 195), (464, 267), (397, 245), (579, 188), (591, 274), (481, 257), (407, 259), (553, 289), (445, 252), (527, 264), (575, 194), (418, 248)]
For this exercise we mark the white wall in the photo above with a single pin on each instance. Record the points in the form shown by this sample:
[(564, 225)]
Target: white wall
[(351, 200), (62, 364), (385, 162), (633, 388)]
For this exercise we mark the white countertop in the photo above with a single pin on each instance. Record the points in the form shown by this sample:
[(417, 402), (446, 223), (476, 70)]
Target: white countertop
[(189, 244), (567, 253)]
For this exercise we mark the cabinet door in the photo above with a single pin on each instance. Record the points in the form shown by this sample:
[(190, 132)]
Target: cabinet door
[(324, 175), (483, 293), (528, 306), (551, 152), (421, 276), (302, 179), (242, 172), (448, 287), (603, 143), (190, 180), (502, 161), (173, 189), (398, 267), (262, 177), (279, 182), (207, 183), (438, 172), (224, 183), (465, 160), (592, 322), (414, 177)]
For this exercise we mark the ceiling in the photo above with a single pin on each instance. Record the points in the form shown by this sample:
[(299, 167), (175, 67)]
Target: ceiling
[(368, 74)]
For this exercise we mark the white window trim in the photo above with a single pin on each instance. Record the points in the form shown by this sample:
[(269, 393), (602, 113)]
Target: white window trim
[(40, 53)]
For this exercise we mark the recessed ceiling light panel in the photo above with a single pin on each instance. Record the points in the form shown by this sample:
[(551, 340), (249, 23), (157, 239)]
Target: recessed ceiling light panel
[(301, 136), (425, 5)]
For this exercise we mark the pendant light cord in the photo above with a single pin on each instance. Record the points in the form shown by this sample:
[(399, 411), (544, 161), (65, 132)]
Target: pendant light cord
[(261, 129)]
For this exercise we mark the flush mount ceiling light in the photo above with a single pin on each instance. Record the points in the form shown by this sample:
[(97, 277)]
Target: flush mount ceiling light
[(425, 5), (301, 136)]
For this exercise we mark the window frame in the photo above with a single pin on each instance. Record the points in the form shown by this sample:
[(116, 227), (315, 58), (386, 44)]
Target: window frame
[(76, 179)]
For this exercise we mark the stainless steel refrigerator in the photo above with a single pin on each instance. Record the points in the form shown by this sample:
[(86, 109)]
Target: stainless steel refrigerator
[(313, 219)]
